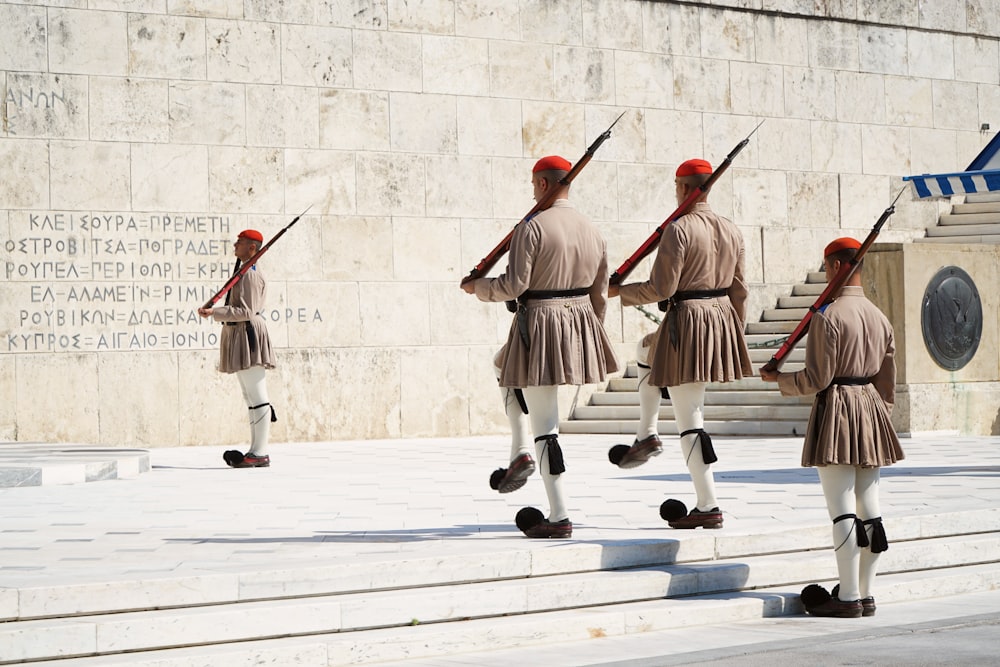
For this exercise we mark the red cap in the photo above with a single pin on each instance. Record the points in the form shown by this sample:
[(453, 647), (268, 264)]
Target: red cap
[(692, 167), (843, 243), (251, 234), (552, 162)]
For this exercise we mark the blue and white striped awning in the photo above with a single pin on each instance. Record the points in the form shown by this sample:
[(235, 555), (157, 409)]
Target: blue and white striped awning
[(960, 183), (983, 175)]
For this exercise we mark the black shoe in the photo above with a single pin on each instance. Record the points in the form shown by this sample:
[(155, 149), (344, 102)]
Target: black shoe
[(548, 529), (641, 451), (513, 478), (254, 461), (837, 608), (867, 604), (697, 519)]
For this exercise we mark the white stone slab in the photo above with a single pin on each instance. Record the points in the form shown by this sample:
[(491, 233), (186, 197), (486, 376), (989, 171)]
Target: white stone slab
[(883, 49), (136, 630), (29, 640), (243, 51)]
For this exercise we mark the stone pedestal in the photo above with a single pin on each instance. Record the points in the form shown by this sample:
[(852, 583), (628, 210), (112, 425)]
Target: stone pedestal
[(931, 395)]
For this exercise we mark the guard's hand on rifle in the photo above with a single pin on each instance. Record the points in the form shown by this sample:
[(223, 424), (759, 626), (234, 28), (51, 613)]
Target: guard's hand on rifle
[(768, 375), (205, 312), (469, 287), (613, 291)]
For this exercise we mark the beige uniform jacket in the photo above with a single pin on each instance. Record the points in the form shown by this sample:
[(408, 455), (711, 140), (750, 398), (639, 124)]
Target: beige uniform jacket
[(698, 251), (558, 249), (849, 424), (244, 341)]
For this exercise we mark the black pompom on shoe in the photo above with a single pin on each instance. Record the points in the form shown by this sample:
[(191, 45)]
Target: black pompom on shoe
[(497, 477), (672, 510), (232, 457), (814, 595), (617, 453), (528, 517)]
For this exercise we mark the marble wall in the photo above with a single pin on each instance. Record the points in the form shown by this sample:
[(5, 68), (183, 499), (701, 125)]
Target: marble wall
[(137, 137)]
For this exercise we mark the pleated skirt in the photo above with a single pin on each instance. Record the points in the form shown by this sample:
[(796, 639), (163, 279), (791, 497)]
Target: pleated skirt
[(245, 345), (711, 346), (850, 425), (568, 345)]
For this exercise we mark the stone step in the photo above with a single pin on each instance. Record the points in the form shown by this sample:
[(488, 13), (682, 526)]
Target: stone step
[(986, 218), (796, 302), (351, 615), (752, 383), (982, 197), (712, 398), (492, 634), (816, 277), (982, 207), (774, 428), (475, 637), (384, 571), (793, 315), (759, 411), (687, 620), (773, 328), (963, 240), (809, 289), (967, 229), (763, 355), (757, 340)]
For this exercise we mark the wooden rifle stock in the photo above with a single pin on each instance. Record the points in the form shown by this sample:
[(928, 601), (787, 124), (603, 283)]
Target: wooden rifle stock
[(545, 202), (239, 273), (832, 288), (650, 244)]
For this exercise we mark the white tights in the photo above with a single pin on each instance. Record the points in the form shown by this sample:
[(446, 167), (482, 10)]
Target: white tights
[(851, 490), (689, 405), (254, 387), (543, 416)]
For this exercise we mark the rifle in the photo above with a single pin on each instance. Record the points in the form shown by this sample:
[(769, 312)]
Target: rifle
[(491, 259), (832, 287), (246, 266), (626, 268)]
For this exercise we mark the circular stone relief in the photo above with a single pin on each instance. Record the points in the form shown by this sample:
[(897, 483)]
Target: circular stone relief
[(951, 318)]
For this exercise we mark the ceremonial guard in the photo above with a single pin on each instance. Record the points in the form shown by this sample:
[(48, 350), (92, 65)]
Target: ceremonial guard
[(245, 349), (697, 276), (850, 367), (558, 274)]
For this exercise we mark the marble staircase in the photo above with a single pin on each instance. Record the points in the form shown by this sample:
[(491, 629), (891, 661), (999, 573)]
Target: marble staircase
[(748, 407), (977, 220), (393, 607)]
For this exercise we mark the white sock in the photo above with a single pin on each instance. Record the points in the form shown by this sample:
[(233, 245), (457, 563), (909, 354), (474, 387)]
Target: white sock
[(649, 398), (688, 401), (866, 493), (520, 435), (838, 489), (254, 385), (543, 408)]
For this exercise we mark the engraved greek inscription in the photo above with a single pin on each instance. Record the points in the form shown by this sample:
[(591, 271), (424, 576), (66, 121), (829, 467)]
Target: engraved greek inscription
[(30, 99), (106, 280)]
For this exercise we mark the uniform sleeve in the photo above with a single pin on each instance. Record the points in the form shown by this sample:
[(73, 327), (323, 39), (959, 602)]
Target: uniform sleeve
[(665, 274), (247, 300), (738, 289), (821, 348), (599, 290), (885, 378), (517, 277)]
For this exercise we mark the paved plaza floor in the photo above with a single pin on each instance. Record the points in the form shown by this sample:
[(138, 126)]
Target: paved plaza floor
[(345, 501)]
